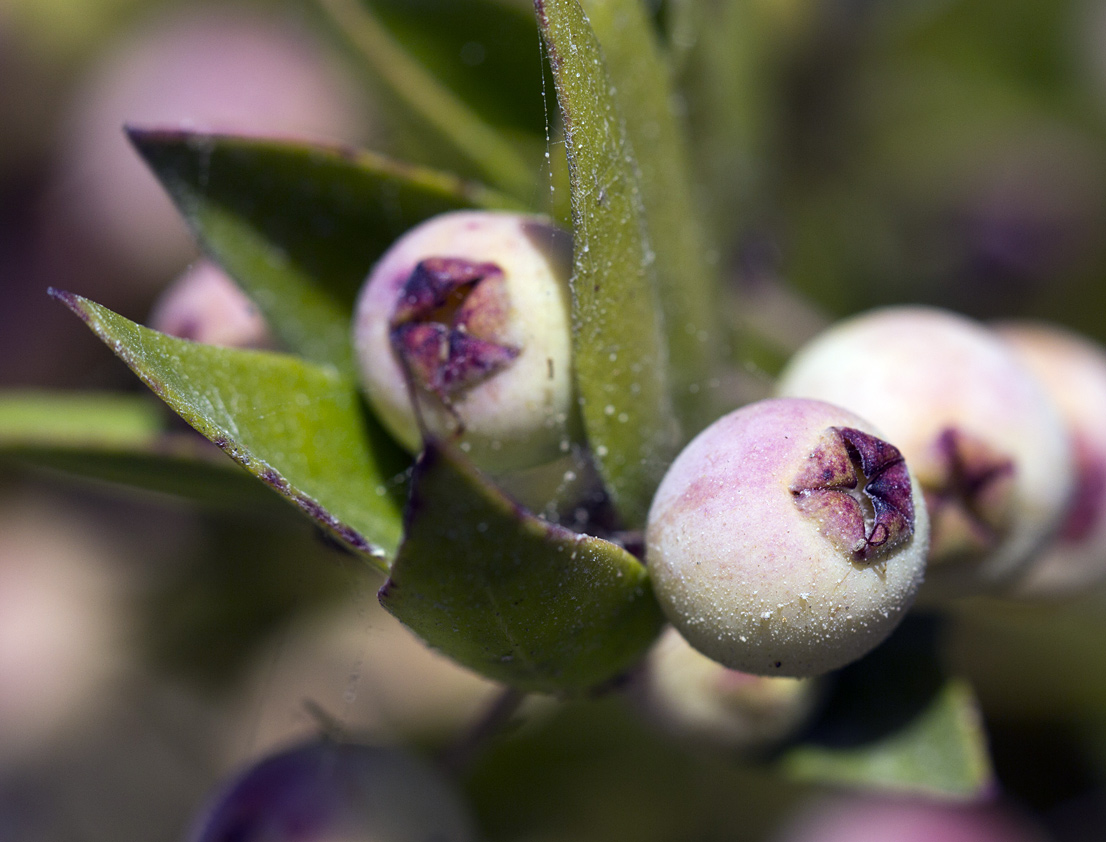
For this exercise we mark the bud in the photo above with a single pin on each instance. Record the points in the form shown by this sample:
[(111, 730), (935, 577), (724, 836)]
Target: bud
[(463, 329), (979, 432), (787, 539)]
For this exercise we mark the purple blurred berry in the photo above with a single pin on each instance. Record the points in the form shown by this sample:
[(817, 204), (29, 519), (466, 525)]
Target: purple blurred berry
[(787, 539), (330, 792)]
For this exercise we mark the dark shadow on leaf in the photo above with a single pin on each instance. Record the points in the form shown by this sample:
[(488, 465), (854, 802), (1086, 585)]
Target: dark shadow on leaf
[(884, 692)]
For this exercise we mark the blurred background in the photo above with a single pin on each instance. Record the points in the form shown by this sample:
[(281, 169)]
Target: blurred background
[(951, 152)]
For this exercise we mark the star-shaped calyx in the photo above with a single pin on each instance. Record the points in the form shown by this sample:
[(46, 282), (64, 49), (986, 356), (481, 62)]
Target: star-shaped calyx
[(857, 487), (448, 324), (969, 491)]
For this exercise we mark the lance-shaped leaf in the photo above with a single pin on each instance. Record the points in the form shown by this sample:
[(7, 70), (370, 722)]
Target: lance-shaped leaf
[(296, 426), (686, 267), (120, 439), (299, 226), (511, 596), (619, 349), (897, 722)]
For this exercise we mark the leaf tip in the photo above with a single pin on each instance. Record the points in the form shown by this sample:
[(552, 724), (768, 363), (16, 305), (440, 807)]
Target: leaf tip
[(71, 300)]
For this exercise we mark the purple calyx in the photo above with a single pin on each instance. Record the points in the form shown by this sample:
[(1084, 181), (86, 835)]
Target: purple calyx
[(447, 325), (857, 488), (969, 492)]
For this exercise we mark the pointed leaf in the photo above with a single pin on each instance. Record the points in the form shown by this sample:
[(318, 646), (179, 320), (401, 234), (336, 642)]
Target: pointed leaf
[(619, 349), (490, 154), (299, 226), (897, 723), (687, 269), (509, 595), (296, 426)]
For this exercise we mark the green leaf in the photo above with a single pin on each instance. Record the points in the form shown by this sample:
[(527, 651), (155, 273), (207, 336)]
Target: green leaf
[(730, 57), (511, 596), (30, 419), (489, 152), (485, 51), (119, 439), (686, 266), (296, 426), (299, 226), (619, 350), (896, 722)]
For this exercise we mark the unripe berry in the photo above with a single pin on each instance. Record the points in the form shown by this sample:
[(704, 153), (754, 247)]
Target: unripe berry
[(469, 314), (329, 792), (205, 305), (1073, 371), (978, 430), (869, 818), (787, 539), (691, 696)]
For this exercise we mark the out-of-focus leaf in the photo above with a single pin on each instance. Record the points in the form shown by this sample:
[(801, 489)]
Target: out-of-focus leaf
[(120, 439), (490, 153), (896, 722), (296, 426), (728, 59), (30, 419), (1060, 643), (299, 226), (486, 51), (509, 595), (620, 358), (687, 270)]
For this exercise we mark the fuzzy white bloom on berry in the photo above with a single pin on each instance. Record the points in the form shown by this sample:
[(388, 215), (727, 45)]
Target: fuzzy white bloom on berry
[(980, 433), (787, 539), (469, 313)]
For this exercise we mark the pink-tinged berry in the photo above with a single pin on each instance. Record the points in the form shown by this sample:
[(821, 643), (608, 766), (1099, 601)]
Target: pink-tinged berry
[(322, 791), (1073, 372), (692, 696), (210, 68), (205, 305), (469, 315), (870, 818), (787, 539), (980, 434)]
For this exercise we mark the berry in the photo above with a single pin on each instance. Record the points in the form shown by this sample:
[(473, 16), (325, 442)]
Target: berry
[(322, 791), (978, 430), (205, 305), (468, 314), (787, 539), (689, 695), (1073, 371)]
